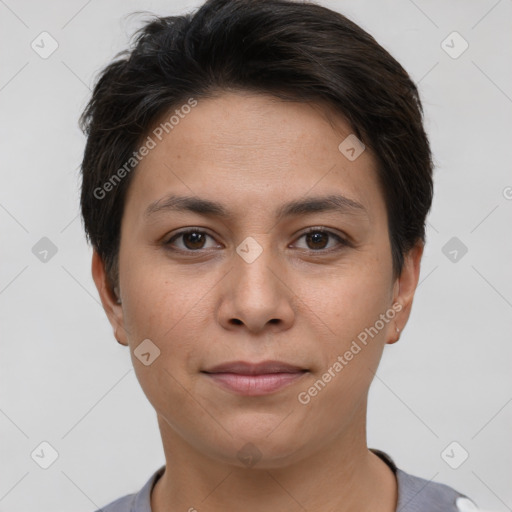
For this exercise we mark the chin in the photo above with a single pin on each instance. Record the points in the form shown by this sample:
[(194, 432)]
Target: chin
[(265, 449)]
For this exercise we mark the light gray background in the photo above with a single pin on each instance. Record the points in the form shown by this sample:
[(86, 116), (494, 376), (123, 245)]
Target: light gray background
[(65, 380)]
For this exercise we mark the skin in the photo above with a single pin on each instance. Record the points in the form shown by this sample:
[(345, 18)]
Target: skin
[(301, 302)]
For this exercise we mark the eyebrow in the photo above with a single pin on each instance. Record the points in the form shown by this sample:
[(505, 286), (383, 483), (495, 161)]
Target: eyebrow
[(194, 204)]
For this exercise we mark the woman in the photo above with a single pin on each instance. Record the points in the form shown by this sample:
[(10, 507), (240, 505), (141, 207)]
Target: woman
[(256, 182)]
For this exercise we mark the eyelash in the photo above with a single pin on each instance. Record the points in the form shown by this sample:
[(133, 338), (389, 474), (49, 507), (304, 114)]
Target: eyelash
[(341, 241)]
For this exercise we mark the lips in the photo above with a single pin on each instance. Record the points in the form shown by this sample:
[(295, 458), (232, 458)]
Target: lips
[(245, 368), (254, 379)]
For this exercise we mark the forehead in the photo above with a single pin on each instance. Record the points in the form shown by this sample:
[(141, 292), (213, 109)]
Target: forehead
[(246, 149)]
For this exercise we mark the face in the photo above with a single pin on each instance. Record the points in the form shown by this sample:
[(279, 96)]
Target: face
[(284, 257)]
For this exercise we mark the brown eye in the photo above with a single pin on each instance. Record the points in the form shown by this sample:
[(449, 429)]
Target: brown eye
[(192, 240), (318, 240)]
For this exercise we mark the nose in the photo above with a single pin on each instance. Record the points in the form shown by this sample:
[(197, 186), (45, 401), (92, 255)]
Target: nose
[(255, 294)]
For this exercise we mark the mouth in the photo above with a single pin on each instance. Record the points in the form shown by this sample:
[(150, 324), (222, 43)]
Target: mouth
[(254, 379)]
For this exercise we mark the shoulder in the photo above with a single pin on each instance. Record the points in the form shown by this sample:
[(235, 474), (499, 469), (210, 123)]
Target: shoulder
[(416, 494), (137, 502), (124, 504)]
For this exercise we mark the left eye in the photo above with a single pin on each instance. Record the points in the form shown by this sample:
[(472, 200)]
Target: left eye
[(319, 238)]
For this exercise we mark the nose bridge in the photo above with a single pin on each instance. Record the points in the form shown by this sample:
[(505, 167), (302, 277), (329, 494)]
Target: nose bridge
[(256, 294), (255, 267)]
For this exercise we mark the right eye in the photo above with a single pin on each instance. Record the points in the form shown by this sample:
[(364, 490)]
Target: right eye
[(192, 240)]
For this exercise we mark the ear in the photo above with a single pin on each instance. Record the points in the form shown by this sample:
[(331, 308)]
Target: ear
[(112, 306), (404, 289)]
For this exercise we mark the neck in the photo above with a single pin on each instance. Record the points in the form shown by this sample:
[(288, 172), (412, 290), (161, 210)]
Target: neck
[(343, 475)]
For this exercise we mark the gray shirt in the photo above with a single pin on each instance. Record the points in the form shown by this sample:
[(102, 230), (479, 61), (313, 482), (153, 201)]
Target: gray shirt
[(414, 494)]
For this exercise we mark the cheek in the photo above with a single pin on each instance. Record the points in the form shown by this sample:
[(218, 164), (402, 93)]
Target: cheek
[(158, 302), (351, 309), (350, 302), (173, 310), (351, 351), (159, 309)]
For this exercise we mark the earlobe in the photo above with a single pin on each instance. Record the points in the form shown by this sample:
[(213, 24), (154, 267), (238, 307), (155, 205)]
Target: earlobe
[(109, 298), (396, 336)]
